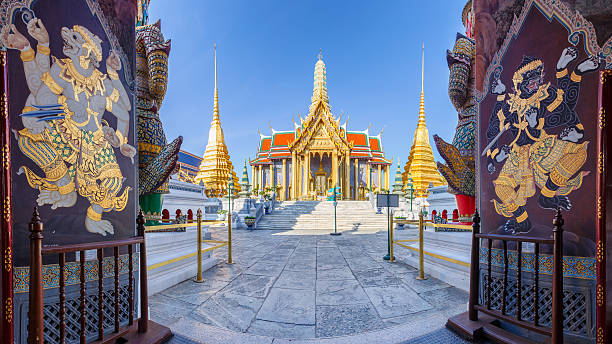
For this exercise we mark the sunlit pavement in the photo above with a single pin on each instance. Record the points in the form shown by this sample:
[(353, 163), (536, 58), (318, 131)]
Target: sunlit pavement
[(307, 285)]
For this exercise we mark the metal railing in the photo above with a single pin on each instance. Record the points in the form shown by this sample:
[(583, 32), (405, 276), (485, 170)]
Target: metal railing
[(420, 239), (199, 250)]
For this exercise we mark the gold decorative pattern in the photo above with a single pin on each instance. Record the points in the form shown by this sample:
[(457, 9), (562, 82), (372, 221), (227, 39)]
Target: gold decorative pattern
[(600, 295), (8, 259), (600, 251), (7, 209), (599, 208), (3, 105), (602, 118), (600, 335), (600, 162), (8, 309), (5, 157)]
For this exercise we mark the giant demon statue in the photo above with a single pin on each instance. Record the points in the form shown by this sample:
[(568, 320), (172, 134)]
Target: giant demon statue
[(530, 155), (459, 156), (64, 133), (157, 160)]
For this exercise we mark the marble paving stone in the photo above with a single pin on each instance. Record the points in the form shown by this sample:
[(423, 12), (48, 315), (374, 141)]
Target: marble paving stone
[(333, 273), (224, 272), (250, 285), (286, 246), (289, 306), (396, 300), (295, 264), (376, 278), (266, 268), (445, 297), (340, 292), (281, 330), (194, 293), (422, 285), (346, 319), (363, 263), (231, 311), (398, 267), (166, 310), (296, 280)]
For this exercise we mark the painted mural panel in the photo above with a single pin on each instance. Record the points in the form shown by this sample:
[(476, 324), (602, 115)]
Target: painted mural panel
[(71, 109), (538, 128)]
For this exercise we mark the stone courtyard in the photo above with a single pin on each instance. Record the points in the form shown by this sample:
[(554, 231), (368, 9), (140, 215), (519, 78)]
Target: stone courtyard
[(308, 285)]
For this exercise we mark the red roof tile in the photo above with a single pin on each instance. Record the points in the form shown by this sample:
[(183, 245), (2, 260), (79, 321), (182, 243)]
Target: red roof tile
[(265, 144), (358, 139), (374, 144), (283, 139)]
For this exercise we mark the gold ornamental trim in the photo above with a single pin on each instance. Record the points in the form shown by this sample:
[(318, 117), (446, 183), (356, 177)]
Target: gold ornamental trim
[(602, 118), (8, 309), (5, 157), (7, 209), (600, 295), (8, 259), (600, 251), (599, 208), (600, 162), (600, 335), (3, 106)]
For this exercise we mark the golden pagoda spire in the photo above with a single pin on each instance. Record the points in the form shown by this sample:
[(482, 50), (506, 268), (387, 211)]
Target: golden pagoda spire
[(319, 91), (421, 165), (216, 167)]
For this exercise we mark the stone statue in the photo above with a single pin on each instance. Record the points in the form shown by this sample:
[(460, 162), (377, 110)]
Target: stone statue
[(459, 155), (157, 160)]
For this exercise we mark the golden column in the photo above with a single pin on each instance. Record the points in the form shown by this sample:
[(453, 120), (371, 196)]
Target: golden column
[(308, 172), (334, 169), (254, 177), (369, 176), (379, 178), (356, 181), (347, 181), (261, 181), (293, 175), (284, 179), (272, 175)]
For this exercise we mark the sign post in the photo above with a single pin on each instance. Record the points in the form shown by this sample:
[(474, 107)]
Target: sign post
[(388, 200)]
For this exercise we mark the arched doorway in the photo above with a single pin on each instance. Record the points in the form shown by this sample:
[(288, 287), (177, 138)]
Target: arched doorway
[(445, 214), (165, 214), (455, 215)]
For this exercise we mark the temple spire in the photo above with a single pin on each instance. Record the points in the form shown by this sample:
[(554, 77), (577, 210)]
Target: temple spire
[(319, 91), (421, 164), (216, 167), (216, 96)]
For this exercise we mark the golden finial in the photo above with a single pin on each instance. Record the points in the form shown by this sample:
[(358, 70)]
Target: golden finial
[(216, 96), (423, 68), (320, 54)]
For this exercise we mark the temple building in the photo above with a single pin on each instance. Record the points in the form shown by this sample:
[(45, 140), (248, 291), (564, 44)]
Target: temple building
[(320, 153), (216, 167), (421, 165)]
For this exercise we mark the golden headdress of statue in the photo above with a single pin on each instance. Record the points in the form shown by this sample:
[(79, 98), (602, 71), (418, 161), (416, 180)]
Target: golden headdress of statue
[(92, 44)]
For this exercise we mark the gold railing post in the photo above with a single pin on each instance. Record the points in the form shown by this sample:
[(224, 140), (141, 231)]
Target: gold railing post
[(229, 239), (421, 262), (199, 277), (391, 258)]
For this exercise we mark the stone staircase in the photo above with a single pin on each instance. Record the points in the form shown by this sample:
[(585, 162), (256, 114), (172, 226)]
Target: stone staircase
[(319, 215)]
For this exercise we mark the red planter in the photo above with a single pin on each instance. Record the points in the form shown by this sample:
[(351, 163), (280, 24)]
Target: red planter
[(466, 205)]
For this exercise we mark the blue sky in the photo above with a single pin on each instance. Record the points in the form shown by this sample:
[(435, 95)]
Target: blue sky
[(266, 52)]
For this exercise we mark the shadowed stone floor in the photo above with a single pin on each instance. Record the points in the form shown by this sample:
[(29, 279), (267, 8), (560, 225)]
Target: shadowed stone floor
[(290, 284)]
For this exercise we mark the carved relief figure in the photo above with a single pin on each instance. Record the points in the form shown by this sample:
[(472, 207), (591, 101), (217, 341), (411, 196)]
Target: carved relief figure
[(530, 156), (64, 133)]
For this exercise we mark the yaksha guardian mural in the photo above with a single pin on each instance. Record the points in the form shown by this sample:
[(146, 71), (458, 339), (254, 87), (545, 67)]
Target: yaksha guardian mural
[(63, 130), (530, 157)]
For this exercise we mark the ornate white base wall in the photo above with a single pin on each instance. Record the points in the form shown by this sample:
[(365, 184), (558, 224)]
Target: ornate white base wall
[(163, 248), (188, 196), (440, 199)]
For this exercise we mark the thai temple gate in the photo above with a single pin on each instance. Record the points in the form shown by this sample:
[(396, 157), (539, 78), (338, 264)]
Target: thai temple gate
[(319, 154)]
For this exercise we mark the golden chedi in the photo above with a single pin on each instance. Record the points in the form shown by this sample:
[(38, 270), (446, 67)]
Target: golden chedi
[(421, 165), (216, 167)]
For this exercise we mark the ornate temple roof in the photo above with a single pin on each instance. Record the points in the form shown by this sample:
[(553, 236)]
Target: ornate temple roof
[(280, 144), (421, 165), (216, 167)]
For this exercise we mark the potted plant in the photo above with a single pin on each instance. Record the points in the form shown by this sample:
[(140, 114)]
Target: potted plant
[(250, 222)]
